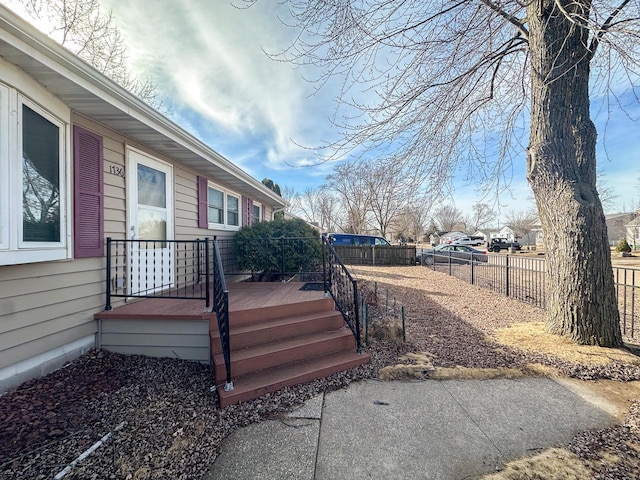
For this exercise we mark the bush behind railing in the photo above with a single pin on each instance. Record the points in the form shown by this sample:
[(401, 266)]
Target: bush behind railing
[(281, 246)]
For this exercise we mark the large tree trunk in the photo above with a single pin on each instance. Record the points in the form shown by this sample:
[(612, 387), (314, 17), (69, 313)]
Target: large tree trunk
[(561, 168)]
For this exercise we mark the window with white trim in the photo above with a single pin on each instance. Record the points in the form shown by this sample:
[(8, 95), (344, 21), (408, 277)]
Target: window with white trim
[(34, 176), (233, 210), (256, 214), (223, 208)]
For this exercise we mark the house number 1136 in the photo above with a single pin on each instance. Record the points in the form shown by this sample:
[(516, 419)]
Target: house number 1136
[(116, 170)]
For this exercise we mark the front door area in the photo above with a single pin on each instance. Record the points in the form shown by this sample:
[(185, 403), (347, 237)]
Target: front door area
[(150, 222)]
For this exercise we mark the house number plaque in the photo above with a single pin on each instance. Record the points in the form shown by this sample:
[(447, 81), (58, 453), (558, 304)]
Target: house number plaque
[(116, 170)]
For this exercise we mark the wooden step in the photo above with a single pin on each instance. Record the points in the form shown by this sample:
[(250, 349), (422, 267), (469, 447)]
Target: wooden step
[(238, 318), (277, 329), (254, 385), (273, 354)]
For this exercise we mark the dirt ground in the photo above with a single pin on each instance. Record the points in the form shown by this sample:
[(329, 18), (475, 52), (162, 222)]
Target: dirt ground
[(460, 331)]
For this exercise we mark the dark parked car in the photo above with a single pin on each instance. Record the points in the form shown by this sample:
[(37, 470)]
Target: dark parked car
[(354, 239), (498, 244), (450, 253)]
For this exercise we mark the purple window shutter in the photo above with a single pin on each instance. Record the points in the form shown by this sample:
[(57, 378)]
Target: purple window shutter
[(203, 221), (246, 218), (88, 194)]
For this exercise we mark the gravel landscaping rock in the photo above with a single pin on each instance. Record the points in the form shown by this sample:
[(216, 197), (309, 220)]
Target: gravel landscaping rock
[(173, 427)]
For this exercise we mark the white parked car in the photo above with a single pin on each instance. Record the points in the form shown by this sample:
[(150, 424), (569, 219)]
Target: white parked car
[(470, 241)]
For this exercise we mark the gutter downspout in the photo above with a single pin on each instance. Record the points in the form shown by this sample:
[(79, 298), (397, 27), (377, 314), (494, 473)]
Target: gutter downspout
[(277, 210)]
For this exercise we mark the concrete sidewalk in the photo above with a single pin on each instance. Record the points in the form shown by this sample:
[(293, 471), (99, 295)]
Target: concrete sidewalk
[(452, 429)]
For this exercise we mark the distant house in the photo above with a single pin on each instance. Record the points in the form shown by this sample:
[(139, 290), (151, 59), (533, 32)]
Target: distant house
[(538, 235), (617, 226), (632, 230), (487, 233), (508, 233), (451, 236), (528, 238), (436, 237)]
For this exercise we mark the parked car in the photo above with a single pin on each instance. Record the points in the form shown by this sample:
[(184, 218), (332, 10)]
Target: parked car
[(470, 241), (462, 254), (497, 244), (355, 239)]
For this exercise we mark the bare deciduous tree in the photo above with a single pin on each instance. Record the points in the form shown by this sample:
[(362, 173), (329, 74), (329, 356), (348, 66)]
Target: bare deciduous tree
[(414, 219), (290, 196), (330, 213), (608, 195), (83, 28), (481, 217), (317, 205), (448, 218), (348, 183), (438, 82), (390, 188), (311, 204), (521, 222)]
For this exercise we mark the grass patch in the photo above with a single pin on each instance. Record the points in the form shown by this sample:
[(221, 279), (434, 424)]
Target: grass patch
[(533, 338), (465, 373), (415, 366), (552, 464)]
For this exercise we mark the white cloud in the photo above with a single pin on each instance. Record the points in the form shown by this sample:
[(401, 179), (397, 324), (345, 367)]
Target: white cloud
[(209, 56)]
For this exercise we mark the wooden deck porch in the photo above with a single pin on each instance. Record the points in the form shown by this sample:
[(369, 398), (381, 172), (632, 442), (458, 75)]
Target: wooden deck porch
[(280, 335), (242, 296)]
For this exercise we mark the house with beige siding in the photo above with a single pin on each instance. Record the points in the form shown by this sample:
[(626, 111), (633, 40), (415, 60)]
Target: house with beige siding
[(83, 160)]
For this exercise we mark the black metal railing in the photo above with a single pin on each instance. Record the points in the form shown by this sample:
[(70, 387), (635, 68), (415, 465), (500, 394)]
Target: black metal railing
[(221, 309), (272, 259), (523, 278), (627, 281), (343, 288), (157, 268)]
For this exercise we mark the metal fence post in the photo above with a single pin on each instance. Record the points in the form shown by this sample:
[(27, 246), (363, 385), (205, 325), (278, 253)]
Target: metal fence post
[(199, 274), (633, 301), (366, 324), (323, 239), (107, 305), (472, 265), (282, 258), (507, 276), (206, 272), (356, 315)]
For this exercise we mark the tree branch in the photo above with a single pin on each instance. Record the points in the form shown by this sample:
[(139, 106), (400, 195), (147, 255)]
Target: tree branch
[(605, 27), (510, 18)]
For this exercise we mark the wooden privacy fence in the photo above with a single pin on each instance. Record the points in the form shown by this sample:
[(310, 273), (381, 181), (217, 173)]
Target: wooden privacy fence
[(376, 254)]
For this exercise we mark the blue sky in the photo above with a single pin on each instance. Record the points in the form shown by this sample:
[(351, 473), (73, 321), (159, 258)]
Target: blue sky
[(207, 58)]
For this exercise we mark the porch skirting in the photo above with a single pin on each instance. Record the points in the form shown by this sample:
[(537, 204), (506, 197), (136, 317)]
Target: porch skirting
[(160, 337)]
